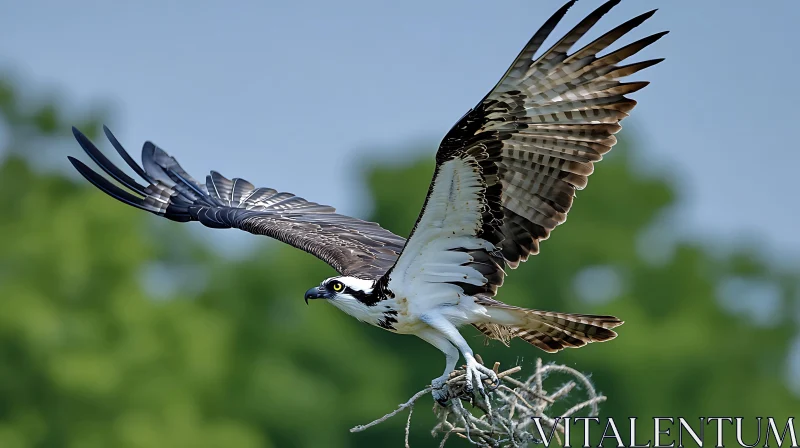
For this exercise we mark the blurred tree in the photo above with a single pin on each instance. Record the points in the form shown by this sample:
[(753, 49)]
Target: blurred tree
[(91, 355), (119, 329)]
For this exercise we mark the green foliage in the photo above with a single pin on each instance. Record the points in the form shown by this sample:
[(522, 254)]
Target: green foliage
[(93, 355)]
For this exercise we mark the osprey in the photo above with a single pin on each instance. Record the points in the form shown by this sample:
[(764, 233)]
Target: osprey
[(505, 177)]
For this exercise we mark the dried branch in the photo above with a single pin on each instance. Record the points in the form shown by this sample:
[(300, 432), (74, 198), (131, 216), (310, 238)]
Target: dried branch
[(507, 414), (407, 404)]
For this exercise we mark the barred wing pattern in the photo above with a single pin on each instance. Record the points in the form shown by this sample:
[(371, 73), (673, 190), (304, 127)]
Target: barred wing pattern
[(554, 117), (351, 246), (516, 159)]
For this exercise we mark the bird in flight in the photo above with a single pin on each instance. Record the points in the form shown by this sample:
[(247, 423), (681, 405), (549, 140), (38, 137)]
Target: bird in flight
[(505, 177)]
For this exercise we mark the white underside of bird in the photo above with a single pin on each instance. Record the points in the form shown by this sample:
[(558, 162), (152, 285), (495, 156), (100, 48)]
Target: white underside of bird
[(421, 288)]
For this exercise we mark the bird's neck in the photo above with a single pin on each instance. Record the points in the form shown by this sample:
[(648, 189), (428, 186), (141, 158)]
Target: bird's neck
[(369, 308)]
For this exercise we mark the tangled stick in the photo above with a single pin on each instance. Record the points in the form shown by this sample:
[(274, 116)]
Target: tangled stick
[(507, 415)]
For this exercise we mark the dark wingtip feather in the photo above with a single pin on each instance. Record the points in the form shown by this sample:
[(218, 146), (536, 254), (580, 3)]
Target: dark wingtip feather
[(659, 35), (606, 7), (638, 20), (164, 165), (150, 154), (599, 12), (157, 151), (107, 187), (149, 147), (551, 23), (568, 40), (594, 16), (569, 4), (562, 11), (124, 154), (533, 44), (105, 164), (604, 41), (627, 70)]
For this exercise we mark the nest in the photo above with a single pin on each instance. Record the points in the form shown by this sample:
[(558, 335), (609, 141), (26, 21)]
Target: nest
[(507, 416)]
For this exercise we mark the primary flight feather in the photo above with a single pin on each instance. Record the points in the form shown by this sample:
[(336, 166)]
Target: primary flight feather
[(505, 177)]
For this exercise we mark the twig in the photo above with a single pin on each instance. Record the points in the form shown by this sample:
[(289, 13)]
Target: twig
[(408, 423), (593, 402), (408, 403), (507, 412)]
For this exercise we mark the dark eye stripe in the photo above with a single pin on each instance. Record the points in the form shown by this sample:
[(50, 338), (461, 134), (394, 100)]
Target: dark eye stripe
[(361, 296)]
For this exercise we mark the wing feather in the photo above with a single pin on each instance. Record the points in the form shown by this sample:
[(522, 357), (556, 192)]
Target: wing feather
[(351, 246), (528, 145)]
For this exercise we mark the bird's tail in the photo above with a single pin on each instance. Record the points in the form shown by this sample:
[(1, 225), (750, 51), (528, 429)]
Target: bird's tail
[(547, 330)]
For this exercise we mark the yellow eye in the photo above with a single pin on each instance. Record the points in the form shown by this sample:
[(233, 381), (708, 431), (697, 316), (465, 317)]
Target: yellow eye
[(337, 286)]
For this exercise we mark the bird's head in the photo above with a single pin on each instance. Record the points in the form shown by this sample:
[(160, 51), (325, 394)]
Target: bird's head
[(347, 293)]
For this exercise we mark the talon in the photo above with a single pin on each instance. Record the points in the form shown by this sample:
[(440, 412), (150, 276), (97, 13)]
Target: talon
[(440, 392), (476, 377), (494, 382)]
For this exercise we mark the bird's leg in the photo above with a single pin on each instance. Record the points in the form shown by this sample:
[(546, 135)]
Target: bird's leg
[(439, 385), (475, 372)]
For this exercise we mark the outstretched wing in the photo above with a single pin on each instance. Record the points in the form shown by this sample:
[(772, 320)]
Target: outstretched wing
[(351, 246), (507, 172)]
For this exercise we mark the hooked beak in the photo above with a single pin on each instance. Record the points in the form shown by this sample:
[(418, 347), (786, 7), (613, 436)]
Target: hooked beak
[(316, 293)]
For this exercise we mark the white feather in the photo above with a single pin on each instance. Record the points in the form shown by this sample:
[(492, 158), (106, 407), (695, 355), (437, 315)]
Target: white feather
[(425, 272)]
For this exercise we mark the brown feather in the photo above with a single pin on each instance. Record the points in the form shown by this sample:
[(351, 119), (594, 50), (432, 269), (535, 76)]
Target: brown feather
[(547, 330)]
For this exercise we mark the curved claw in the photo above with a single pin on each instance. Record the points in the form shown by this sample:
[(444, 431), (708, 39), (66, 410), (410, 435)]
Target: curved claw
[(440, 391), (443, 402), (495, 383), (468, 388), (442, 398)]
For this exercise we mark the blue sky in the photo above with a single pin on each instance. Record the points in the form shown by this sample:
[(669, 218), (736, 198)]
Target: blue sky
[(293, 95)]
